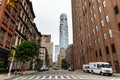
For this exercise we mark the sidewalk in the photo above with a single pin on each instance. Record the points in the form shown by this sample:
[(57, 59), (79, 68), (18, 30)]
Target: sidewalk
[(5, 76)]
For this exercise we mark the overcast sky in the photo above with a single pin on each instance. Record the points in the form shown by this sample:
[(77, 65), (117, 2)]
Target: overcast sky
[(47, 19)]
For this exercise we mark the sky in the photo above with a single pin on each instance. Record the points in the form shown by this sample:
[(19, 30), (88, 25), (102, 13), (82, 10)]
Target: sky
[(47, 19)]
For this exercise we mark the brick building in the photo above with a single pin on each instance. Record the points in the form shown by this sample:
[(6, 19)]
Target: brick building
[(96, 32), (8, 19), (16, 25)]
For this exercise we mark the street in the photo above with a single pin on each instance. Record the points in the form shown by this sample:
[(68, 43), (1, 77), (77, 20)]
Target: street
[(65, 75)]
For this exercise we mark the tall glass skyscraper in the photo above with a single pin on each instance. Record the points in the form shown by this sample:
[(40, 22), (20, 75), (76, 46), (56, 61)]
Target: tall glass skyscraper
[(63, 31)]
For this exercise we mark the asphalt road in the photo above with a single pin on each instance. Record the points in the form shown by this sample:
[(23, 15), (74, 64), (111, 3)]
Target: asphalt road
[(64, 75)]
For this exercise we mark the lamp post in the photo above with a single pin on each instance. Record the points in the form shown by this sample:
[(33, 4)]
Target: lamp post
[(10, 68)]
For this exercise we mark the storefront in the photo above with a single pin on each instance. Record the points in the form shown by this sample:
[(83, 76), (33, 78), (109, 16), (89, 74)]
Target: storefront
[(4, 58)]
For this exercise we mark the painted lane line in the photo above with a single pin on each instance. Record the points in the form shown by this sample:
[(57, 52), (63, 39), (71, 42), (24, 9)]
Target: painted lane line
[(73, 77), (37, 77), (68, 77), (43, 77)]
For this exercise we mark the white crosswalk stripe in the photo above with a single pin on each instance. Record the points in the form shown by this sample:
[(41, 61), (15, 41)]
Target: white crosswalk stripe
[(43, 77), (37, 77), (31, 77), (68, 77), (73, 77), (50, 77), (63, 77)]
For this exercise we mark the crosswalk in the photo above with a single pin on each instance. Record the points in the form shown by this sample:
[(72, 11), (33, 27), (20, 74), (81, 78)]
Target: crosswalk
[(62, 77)]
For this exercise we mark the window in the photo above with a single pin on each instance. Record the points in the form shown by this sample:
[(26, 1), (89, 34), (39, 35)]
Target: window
[(96, 27), (119, 26), (8, 7), (116, 10), (98, 1), (0, 1), (100, 9), (2, 34), (11, 25), (100, 52), (110, 33), (95, 42), (105, 36), (8, 41), (5, 19), (107, 50), (102, 23), (107, 18), (98, 40), (94, 16), (14, 13), (96, 53), (93, 31), (113, 47), (104, 3)]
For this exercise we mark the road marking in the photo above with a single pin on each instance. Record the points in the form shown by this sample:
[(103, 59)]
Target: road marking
[(50, 77), (80, 77), (18, 78), (24, 77), (73, 77), (68, 77), (37, 77), (62, 77), (43, 77), (31, 77), (56, 77)]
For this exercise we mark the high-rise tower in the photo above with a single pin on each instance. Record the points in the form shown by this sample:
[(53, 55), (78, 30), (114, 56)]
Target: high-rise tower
[(63, 31)]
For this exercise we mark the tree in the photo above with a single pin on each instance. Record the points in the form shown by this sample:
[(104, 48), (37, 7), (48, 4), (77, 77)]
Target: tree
[(39, 63), (64, 64), (27, 50)]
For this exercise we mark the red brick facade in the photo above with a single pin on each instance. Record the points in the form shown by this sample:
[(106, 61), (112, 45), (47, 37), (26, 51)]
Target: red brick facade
[(96, 32), (8, 18)]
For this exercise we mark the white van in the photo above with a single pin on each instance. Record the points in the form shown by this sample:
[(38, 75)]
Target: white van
[(85, 67), (100, 68)]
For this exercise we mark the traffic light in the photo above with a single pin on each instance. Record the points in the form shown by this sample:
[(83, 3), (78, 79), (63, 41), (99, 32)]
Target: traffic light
[(12, 2)]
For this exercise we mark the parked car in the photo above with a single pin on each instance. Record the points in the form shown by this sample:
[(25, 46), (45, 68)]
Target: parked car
[(100, 68), (70, 69), (85, 67)]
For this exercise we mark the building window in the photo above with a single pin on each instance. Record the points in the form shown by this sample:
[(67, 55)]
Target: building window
[(105, 36), (104, 3), (110, 33), (2, 34), (14, 13), (102, 23), (119, 26), (12, 25), (100, 9), (5, 19), (107, 50), (8, 7), (100, 52), (8, 41), (113, 47), (94, 16), (107, 18), (0, 1), (93, 31), (96, 27), (95, 42), (98, 40), (96, 53), (98, 1), (116, 10)]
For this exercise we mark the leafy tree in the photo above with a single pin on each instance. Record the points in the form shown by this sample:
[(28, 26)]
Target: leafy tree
[(64, 64), (39, 63), (27, 50)]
